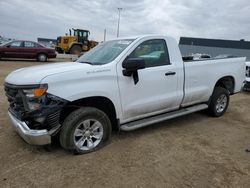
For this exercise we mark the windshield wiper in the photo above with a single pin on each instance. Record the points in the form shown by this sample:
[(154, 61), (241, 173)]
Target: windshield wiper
[(87, 62), (90, 63)]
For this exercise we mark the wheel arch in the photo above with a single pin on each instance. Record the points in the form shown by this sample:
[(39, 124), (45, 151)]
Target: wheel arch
[(102, 103), (39, 53), (227, 82)]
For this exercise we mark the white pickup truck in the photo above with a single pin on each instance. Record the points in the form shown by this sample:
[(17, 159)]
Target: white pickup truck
[(123, 84)]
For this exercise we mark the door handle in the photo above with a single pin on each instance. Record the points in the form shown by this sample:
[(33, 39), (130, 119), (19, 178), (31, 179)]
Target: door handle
[(170, 73)]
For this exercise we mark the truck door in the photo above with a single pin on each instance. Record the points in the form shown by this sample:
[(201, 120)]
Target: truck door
[(156, 90)]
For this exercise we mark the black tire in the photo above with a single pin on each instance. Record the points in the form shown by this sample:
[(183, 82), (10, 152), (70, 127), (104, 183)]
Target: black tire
[(42, 57), (78, 117), (218, 107), (76, 49)]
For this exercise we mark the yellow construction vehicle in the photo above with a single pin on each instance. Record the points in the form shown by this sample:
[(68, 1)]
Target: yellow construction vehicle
[(76, 43)]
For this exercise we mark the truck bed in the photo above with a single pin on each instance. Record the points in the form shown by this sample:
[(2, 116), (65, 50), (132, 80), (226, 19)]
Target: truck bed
[(201, 75)]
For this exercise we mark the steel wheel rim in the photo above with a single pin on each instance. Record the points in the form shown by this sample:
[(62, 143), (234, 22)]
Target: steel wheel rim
[(221, 103), (88, 134)]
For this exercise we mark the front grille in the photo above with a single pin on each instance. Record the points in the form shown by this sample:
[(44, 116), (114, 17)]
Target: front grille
[(247, 71), (15, 99), (53, 119)]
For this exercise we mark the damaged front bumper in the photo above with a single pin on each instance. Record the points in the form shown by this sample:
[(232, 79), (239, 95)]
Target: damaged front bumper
[(32, 136), (35, 125)]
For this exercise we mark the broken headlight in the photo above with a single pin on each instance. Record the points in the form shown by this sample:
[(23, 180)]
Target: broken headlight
[(35, 96)]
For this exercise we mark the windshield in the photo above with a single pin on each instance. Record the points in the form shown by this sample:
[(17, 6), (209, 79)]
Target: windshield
[(105, 52)]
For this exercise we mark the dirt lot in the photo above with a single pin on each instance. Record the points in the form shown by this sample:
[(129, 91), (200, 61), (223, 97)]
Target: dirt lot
[(191, 151)]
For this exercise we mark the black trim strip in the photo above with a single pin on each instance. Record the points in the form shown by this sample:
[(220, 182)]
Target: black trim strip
[(32, 86), (210, 59)]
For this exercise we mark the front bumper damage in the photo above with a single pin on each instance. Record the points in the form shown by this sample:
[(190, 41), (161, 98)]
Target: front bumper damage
[(32, 136), (38, 126)]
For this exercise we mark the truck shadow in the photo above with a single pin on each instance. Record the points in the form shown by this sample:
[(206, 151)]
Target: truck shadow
[(179, 123)]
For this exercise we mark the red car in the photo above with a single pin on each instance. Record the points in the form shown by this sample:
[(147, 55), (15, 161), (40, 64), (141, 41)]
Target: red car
[(26, 49)]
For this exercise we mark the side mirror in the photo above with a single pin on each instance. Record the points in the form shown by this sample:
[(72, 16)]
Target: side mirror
[(132, 64), (131, 67)]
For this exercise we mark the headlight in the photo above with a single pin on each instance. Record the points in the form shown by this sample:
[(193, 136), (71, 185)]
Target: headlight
[(34, 96), (36, 92), (33, 105)]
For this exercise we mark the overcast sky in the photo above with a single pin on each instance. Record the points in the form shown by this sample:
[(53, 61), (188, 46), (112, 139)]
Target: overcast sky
[(29, 19)]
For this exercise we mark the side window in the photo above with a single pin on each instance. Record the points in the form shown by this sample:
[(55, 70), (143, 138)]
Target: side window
[(16, 44), (154, 52), (85, 34), (29, 44)]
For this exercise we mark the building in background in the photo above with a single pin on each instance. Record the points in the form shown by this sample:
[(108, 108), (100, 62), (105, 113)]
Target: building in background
[(47, 42), (214, 47)]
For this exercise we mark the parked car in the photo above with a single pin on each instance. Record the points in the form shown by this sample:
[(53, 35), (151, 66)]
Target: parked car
[(26, 49), (121, 84)]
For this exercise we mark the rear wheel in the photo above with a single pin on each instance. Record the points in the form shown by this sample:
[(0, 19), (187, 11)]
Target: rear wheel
[(85, 130), (76, 49), (42, 57), (219, 102)]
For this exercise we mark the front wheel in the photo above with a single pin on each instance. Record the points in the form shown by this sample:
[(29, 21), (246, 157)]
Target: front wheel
[(85, 130), (219, 102), (76, 50)]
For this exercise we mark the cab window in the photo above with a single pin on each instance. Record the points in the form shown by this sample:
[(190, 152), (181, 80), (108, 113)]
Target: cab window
[(16, 44), (83, 34), (28, 44), (154, 52)]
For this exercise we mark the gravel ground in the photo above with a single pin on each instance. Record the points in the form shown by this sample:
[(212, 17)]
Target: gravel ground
[(191, 151)]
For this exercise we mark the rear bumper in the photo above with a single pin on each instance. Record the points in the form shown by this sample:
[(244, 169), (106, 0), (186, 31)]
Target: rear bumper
[(31, 136)]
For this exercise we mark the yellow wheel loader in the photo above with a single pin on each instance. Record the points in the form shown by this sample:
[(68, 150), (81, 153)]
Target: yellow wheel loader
[(75, 42)]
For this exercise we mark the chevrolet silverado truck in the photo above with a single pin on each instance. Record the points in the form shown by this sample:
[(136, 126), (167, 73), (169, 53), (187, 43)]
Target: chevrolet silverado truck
[(122, 84)]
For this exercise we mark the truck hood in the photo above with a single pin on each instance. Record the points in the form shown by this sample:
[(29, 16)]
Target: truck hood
[(34, 74)]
